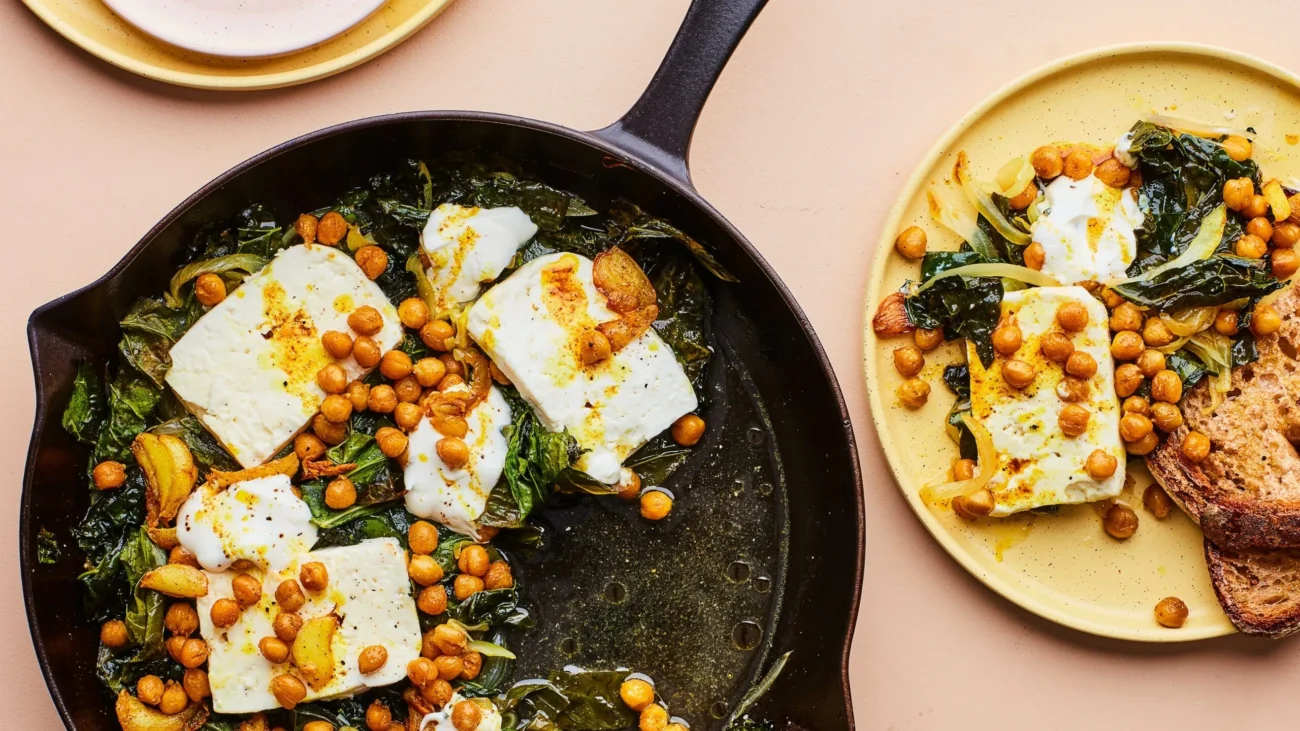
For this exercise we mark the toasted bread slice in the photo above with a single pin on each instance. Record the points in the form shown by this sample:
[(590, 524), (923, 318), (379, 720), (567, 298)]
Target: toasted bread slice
[(1246, 494), (1259, 590)]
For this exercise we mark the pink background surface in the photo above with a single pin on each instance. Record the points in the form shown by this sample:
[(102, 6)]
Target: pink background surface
[(816, 123)]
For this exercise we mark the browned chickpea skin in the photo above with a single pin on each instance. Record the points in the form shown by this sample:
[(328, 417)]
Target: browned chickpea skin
[(1166, 386), (630, 486), (1251, 247), (225, 612), (174, 699), (473, 665), (1081, 365), (466, 585), (395, 365), (1127, 379), (498, 576), (413, 312), (1238, 148), (314, 576), (963, 469), (1286, 235), (114, 634), (1114, 173), (653, 718), (340, 493), (378, 717), (209, 290), (195, 683), (1035, 256), (1047, 162), (1006, 340), (1120, 521), (1017, 373), (181, 619), (1077, 165), (288, 690), (1143, 446), (914, 393), (327, 431), (288, 594), (1196, 447), (149, 689), (436, 333), (1156, 334), (174, 645), (438, 692), (453, 366), (1100, 464), (194, 652), (1166, 417), (337, 344), (688, 430), (365, 320), (366, 352), (1073, 420), (473, 560), (408, 390), (1073, 389), (424, 570), (1024, 198), (306, 227), (636, 694), (180, 555), (1284, 263), (286, 626), (1126, 317), (331, 228), (332, 378), (1157, 501), (358, 394), (1238, 193), (450, 640), (422, 537), (1256, 208), (1171, 612), (273, 649), (372, 658), (318, 726), (1260, 227), (911, 242), (927, 340), (432, 599), (656, 504), (909, 361), (1056, 346), (392, 442), (1136, 405), (1151, 362), (1133, 427), (383, 399), (466, 715), (337, 408), (428, 371), (421, 671), (407, 416), (247, 589), (109, 475), (308, 447), (975, 505), (1265, 320), (450, 380), (372, 260)]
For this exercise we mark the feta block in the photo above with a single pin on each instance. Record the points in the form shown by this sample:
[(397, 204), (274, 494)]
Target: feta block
[(531, 325), (368, 590), (1038, 464), (247, 369), (469, 246)]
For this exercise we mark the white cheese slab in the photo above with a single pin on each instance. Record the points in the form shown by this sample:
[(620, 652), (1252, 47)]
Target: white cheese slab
[(247, 369)]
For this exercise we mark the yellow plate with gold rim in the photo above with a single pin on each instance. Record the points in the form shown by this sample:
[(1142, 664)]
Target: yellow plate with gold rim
[(92, 26), (1064, 567)]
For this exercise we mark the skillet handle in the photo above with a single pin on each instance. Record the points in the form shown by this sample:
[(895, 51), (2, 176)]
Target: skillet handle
[(658, 128)]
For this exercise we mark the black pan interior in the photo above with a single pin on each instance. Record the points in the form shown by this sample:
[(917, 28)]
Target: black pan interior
[(762, 556)]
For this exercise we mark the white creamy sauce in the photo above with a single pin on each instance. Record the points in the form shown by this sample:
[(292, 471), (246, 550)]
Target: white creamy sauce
[(1087, 230), (1123, 146), (456, 498), (470, 246), (259, 520), (441, 720)]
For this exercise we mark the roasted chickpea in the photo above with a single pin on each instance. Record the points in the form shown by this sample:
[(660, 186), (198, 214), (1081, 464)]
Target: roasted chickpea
[(927, 340), (331, 229), (1238, 193), (1265, 320), (372, 658), (498, 576), (247, 589), (308, 447), (1252, 247), (473, 560), (963, 469), (911, 242), (314, 576), (327, 431), (1261, 227), (372, 260), (1166, 416), (382, 399), (340, 493), (378, 717), (1047, 162), (318, 726), (209, 290), (365, 320), (453, 451), (436, 333), (1114, 173), (1073, 389), (654, 717), (1258, 207), (655, 504), (1100, 464), (408, 416), (273, 649), (337, 408), (1017, 373), (332, 378), (306, 227), (1237, 147), (688, 430), (114, 634), (450, 640), (1073, 420), (288, 690), (225, 612), (1078, 165), (1120, 521), (1056, 346), (449, 666), (472, 665), (1081, 365), (149, 689), (289, 596), (428, 371), (408, 390), (909, 361), (1127, 379), (1196, 447), (1143, 446), (174, 699), (422, 537), (194, 652), (1225, 323), (1021, 200), (466, 586), (1157, 501), (358, 394), (1136, 405), (424, 570), (1166, 386), (438, 692), (174, 644), (975, 505), (1126, 317), (453, 366), (450, 380), (108, 475), (1006, 340), (1286, 235), (366, 352), (287, 625), (395, 365), (636, 694), (1133, 427), (413, 312), (432, 599), (195, 683), (1035, 256), (1151, 362), (466, 716), (421, 671), (1156, 334), (1284, 263), (337, 344), (179, 555), (1171, 612)]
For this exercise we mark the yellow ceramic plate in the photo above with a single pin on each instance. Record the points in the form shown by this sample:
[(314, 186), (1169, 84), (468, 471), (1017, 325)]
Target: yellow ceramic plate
[(91, 25), (1064, 567)]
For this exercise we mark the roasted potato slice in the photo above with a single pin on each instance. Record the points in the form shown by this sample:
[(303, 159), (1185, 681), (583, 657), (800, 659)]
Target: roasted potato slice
[(313, 650), (628, 292), (164, 538), (1277, 200), (169, 474), (287, 465), (134, 715), (176, 580)]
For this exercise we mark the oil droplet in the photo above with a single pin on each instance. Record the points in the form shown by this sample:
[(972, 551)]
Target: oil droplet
[(764, 488), (762, 584), (615, 592), (745, 635), (718, 709), (569, 646), (754, 435), (738, 572), (1293, 139)]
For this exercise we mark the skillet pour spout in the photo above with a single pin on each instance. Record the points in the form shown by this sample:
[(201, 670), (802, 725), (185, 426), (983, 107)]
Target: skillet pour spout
[(775, 486)]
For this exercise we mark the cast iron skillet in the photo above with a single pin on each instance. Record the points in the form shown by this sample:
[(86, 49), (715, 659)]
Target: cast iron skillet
[(764, 553)]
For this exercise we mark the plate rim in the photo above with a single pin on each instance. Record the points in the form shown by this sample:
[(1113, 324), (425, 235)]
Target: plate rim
[(1045, 610), (47, 13)]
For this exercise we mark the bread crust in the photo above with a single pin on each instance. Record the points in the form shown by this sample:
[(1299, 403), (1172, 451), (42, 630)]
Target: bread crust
[(1257, 588)]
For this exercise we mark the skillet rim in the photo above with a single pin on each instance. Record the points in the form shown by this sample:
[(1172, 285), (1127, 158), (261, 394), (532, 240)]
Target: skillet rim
[(594, 140)]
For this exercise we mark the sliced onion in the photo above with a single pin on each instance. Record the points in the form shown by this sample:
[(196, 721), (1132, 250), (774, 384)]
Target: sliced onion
[(1015, 176), (1190, 320), (995, 269), (984, 204), (950, 209), (1202, 247), (987, 461), (1197, 129), (423, 286), (488, 649)]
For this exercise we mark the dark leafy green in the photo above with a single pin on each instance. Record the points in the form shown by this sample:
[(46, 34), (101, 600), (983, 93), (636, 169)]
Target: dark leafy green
[(47, 547), (957, 378), (657, 459), (535, 460), (633, 227), (964, 307), (113, 519), (583, 700), (84, 414), (495, 673), (149, 330), (208, 452), (494, 607), (684, 313), (379, 521), (144, 613), (1188, 367), (1209, 282), (132, 399), (252, 230)]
